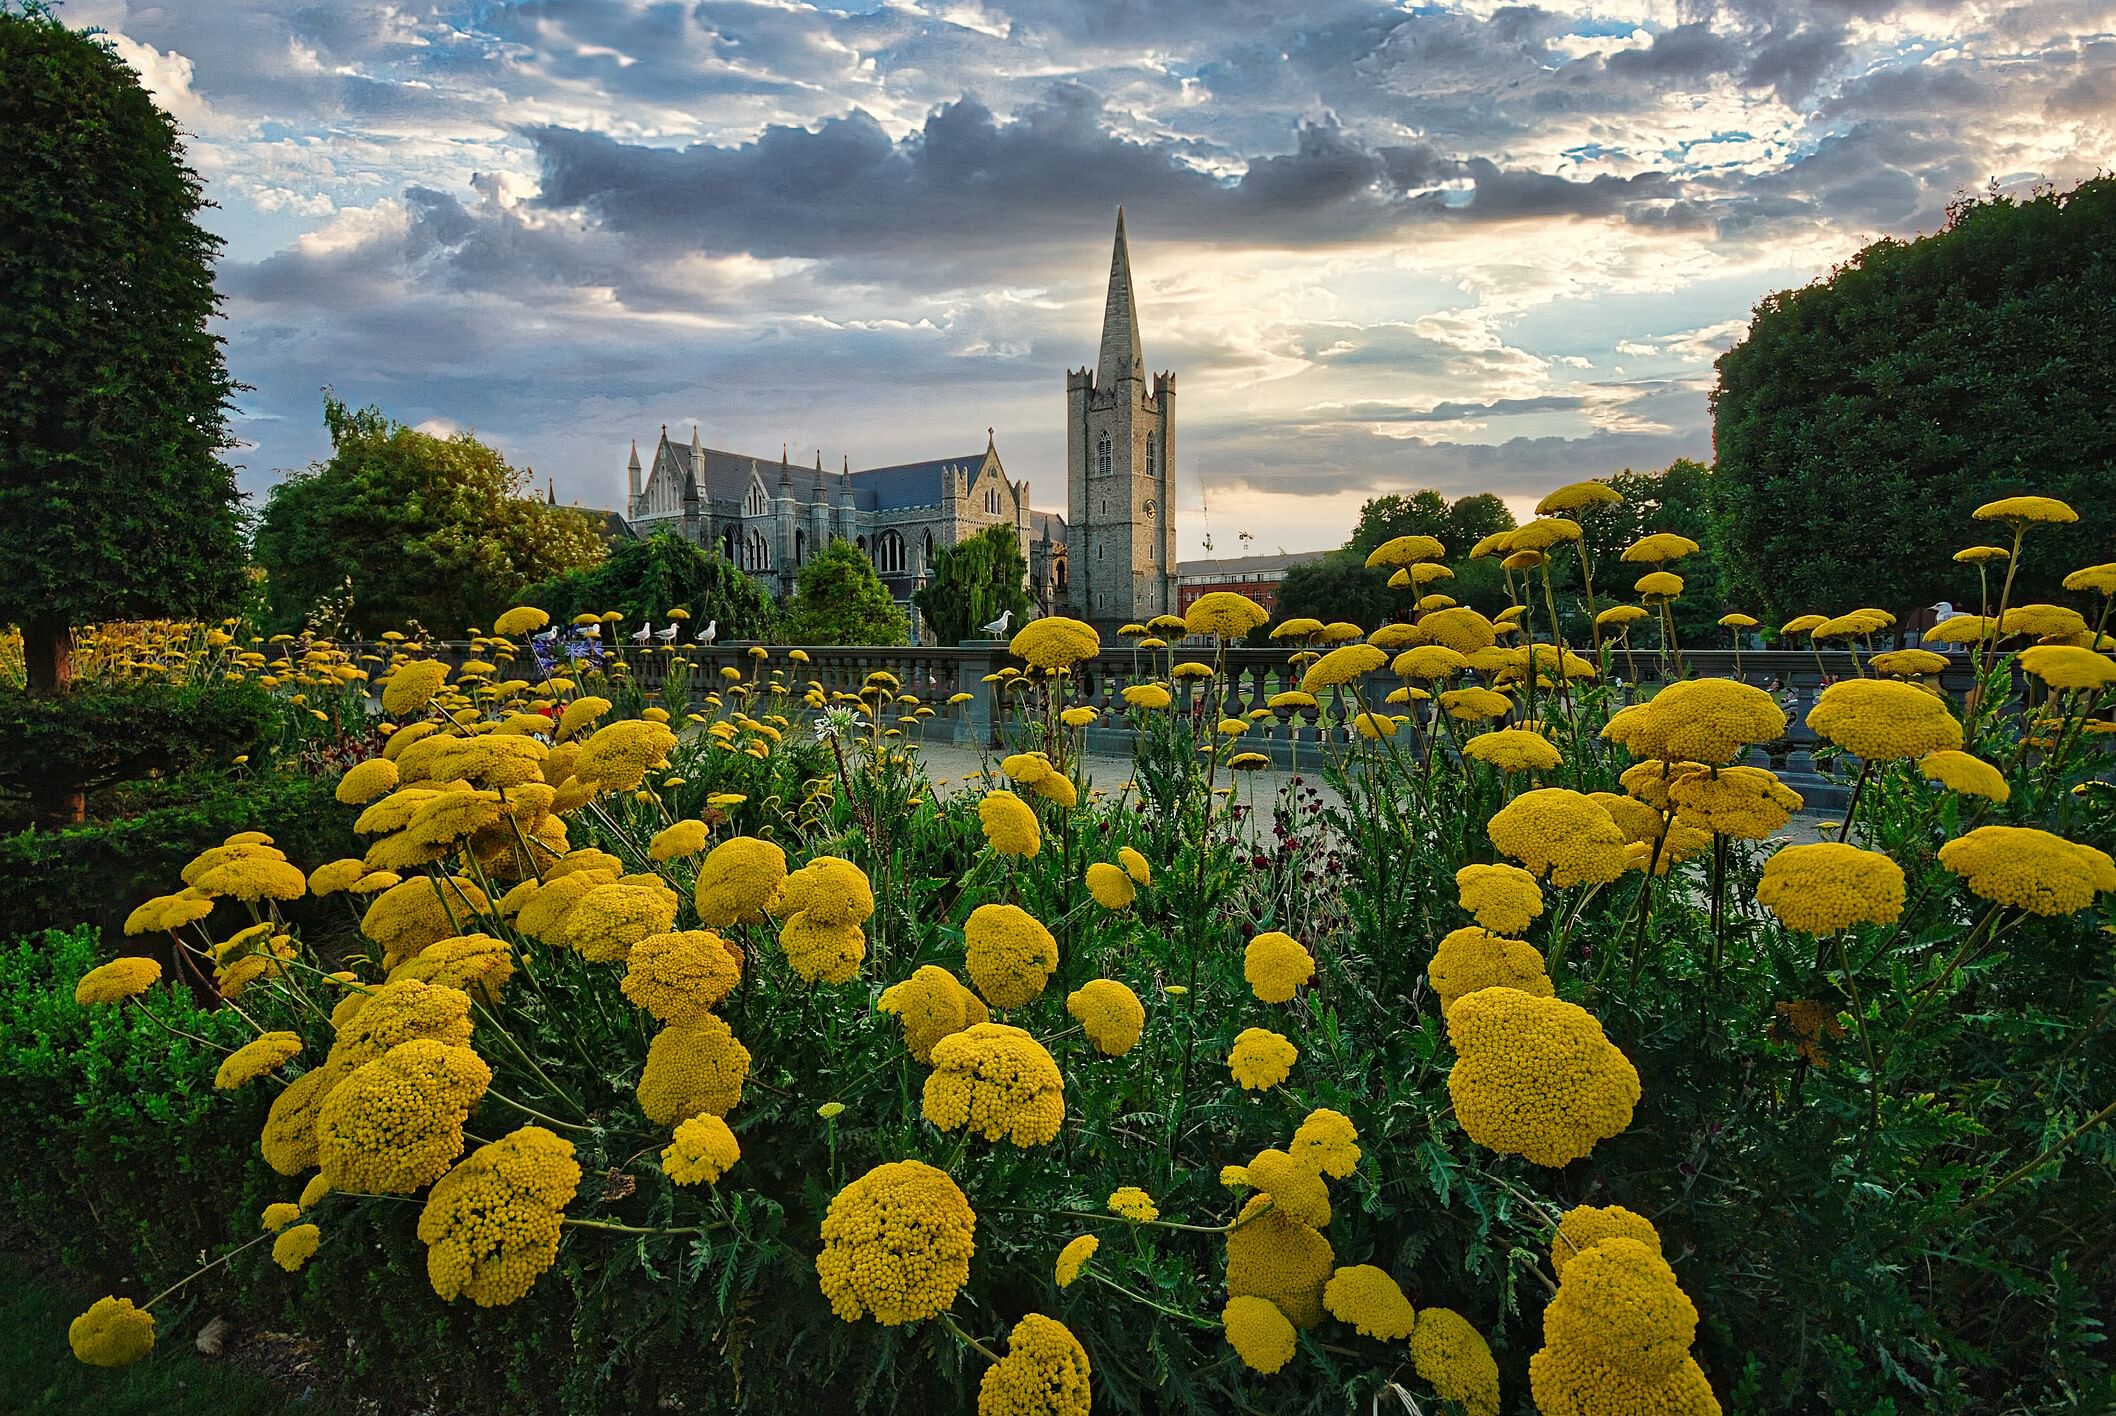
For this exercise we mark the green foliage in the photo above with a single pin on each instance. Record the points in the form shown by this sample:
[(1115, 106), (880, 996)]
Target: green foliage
[(971, 583), (1865, 416), (1459, 525), (409, 527), (1676, 498), (94, 735), (838, 599), (643, 580), (113, 395), (1340, 586)]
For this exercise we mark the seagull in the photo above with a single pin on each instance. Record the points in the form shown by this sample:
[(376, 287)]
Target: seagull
[(641, 634), (711, 632), (1944, 609), (668, 636), (999, 626), (547, 636)]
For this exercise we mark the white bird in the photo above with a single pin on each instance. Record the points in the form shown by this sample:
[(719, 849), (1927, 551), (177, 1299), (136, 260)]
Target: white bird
[(547, 636), (643, 633), (999, 626), (1944, 609), (668, 636), (710, 632)]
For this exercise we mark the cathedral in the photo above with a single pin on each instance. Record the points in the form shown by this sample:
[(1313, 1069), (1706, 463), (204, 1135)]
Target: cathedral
[(1110, 560)]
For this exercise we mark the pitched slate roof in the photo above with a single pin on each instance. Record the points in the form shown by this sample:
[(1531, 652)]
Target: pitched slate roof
[(914, 483), (727, 477)]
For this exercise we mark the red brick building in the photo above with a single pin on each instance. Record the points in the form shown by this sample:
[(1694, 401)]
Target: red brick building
[(1254, 576)]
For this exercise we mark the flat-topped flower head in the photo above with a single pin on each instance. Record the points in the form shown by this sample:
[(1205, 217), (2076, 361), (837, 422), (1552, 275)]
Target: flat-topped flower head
[(2068, 667), (1275, 966), (1578, 496), (396, 1123), (1259, 1333), (2030, 869), (1535, 1077), (1406, 550), (738, 880), (1109, 1013), (1503, 898), (701, 1151), (1371, 1301), (1343, 665), (1561, 833), (1965, 774), (112, 1333), (1460, 628), (1884, 719), (491, 1225), (1009, 954), (1225, 613), (1045, 1373), (1073, 1258), (896, 1244), (681, 976), (1273, 1256), (1055, 642), (1659, 548), (1327, 1143), (1827, 886), (1261, 1059), (2027, 511), (123, 978), (1584, 1226), (997, 1081), (1009, 824), (1455, 1359), (1513, 750), (1471, 958), (1747, 803), (931, 1004), (1621, 1304), (690, 1068)]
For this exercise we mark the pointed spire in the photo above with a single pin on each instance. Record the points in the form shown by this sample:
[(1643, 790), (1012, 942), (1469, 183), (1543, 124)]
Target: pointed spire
[(634, 463), (1121, 358), (550, 492)]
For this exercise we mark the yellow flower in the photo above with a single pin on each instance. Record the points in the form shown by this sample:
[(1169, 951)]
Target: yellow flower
[(822, 950), (896, 1243), (396, 1123), (1371, 1301), (1737, 620), (1275, 966), (1584, 1226), (1261, 1059), (1747, 803), (370, 1023), (1543, 535), (1578, 496), (1110, 886), (738, 880), (617, 757), (2030, 869), (1342, 666), (1078, 717), (365, 781), (1882, 719), (931, 1004), (1429, 662), (474, 963), (1151, 696), (1456, 1360), (1503, 898), (1618, 616), (312, 1193), (1224, 613), (522, 619), (289, 1137), (1475, 705), (581, 714), (1009, 824), (491, 1225), (2066, 666), (1327, 1143), (278, 1216), (1191, 671), (1513, 750), (1109, 1013), (1659, 585), (2042, 621), (692, 1067), (1659, 548), (267, 1053), (117, 980), (1406, 550), (112, 1333), (1703, 720), (1296, 1189), (1559, 832), (1045, 1373), (410, 687), (1908, 663), (1621, 1305), (1977, 555), (1300, 627), (998, 1081), (1135, 865), (171, 912), (2098, 579), (1010, 955), (407, 917), (296, 1246), (1963, 773), (1055, 642), (2021, 511), (1828, 886), (1074, 1256), (702, 1150), (1259, 1333), (1535, 1077), (684, 838), (612, 917), (1274, 1256), (680, 977), (1565, 1379), (1472, 958), (1962, 629)]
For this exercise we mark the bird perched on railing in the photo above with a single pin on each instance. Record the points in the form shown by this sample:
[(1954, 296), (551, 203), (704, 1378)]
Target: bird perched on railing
[(643, 633), (711, 632), (668, 636), (998, 627)]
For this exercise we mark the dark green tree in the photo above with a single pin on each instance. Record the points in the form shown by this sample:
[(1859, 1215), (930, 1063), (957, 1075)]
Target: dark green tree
[(113, 393), (1384, 518), (1866, 416), (410, 527), (838, 599), (1677, 499), (1340, 587), (643, 580), (1470, 520), (972, 582)]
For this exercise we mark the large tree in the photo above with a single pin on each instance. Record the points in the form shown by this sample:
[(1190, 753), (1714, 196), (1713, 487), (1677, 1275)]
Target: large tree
[(1865, 416), (113, 393), (972, 582), (643, 580), (410, 527), (838, 599), (1677, 499)]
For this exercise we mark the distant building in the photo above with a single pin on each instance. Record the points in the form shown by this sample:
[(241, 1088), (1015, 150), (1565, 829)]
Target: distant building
[(1254, 576)]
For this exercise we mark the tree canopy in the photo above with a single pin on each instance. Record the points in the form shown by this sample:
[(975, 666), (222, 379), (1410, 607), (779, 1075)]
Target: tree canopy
[(972, 582), (113, 392), (838, 599), (1340, 587), (643, 580), (406, 527), (1459, 524), (1865, 416)]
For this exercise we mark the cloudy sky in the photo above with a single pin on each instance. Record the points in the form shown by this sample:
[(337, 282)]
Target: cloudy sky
[(1384, 246)]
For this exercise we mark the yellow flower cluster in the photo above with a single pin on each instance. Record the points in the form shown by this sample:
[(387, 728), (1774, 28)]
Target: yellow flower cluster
[(1261, 1059), (266, 1053), (112, 1333), (370, 1024), (1295, 1188), (1884, 719), (1275, 966), (1965, 774), (1371, 1301), (1045, 1373), (683, 838), (1747, 803), (2068, 667), (411, 686), (1617, 1337), (1472, 957), (363, 782), (702, 1150), (407, 917), (1009, 954), (2030, 869), (1009, 825), (1584, 1226), (396, 1123), (1326, 1142), (1342, 666), (1073, 1257), (1535, 1077), (1273, 1256), (1224, 613), (478, 964), (1055, 642), (117, 980), (169, 912), (1704, 720), (896, 1243), (692, 1067), (1150, 696), (1258, 1332), (1827, 886), (1134, 1204), (296, 1246), (1503, 898), (1110, 886), (1456, 1360), (1513, 750), (616, 757), (931, 1004), (681, 976), (491, 1225), (997, 1081), (825, 904), (1560, 832), (737, 880), (1109, 1013)]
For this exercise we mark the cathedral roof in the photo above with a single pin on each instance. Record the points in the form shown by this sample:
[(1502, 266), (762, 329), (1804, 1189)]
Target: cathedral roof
[(727, 477), (1046, 524), (914, 483)]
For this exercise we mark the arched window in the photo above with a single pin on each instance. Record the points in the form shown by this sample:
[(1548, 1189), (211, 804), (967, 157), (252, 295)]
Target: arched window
[(991, 501), (755, 504), (1102, 455), (862, 544), (889, 554), (1058, 577), (1151, 466), (925, 564), (800, 546), (727, 543), (758, 552)]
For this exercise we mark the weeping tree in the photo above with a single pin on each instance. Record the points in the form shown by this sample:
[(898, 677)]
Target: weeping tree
[(643, 580), (838, 599), (973, 582)]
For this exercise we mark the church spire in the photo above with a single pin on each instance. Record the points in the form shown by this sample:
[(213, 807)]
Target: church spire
[(1121, 358)]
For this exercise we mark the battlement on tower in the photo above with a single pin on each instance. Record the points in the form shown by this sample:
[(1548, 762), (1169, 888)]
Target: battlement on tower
[(1079, 380)]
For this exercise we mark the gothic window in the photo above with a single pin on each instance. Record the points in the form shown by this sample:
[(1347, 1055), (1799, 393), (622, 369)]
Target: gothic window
[(800, 546), (862, 544), (1150, 463), (889, 553), (727, 543), (757, 552), (991, 501), (1102, 455), (1058, 573), (755, 505), (925, 563)]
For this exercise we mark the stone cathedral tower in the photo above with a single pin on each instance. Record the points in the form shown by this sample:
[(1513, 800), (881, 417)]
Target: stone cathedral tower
[(1120, 442)]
